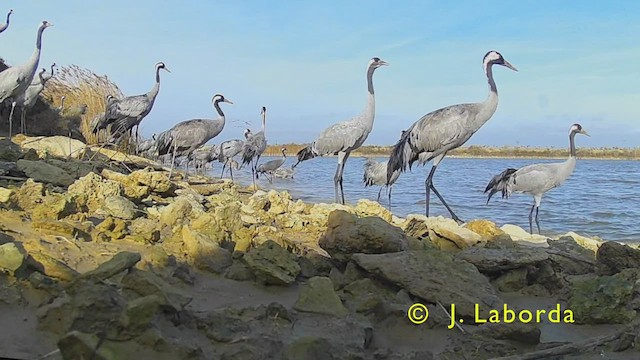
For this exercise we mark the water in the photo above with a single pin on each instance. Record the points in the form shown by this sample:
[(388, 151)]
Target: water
[(601, 198)]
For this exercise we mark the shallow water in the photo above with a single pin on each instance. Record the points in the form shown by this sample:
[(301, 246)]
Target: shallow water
[(601, 198)]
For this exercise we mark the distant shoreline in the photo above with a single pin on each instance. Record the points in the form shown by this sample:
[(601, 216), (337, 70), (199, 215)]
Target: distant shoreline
[(489, 152)]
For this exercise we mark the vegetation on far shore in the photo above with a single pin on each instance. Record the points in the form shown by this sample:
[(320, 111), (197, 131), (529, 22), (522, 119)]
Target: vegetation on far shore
[(482, 151)]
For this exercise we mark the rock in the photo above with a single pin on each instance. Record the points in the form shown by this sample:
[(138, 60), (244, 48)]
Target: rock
[(43, 172), (130, 188), (204, 252), (119, 207), (317, 296), (486, 229), (54, 207), (366, 207), (146, 283), (498, 260), (314, 265), (445, 233), (110, 229), (91, 190), (605, 299), (520, 235), (52, 267), (29, 195), (144, 230), (243, 239), (239, 271), (272, 264), (512, 280), (140, 312), (11, 258), (524, 333), (55, 146), (585, 242), (76, 345), (60, 228), (120, 262), (5, 195), (176, 212), (157, 181), (9, 151), (312, 348), (618, 257), (364, 295), (435, 277), (348, 234)]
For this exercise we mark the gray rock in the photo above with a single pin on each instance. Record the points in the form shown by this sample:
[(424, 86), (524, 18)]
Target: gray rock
[(118, 263), (77, 345), (146, 283), (11, 258), (46, 173), (204, 252), (436, 277), (119, 207), (524, 333), (618, 257), (498, 260), (272, 264), (512, 280), (317, 296), (348, 234)]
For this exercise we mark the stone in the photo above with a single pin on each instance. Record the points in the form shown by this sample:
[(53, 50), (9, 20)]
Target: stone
[(145, 283), (157, 181), (11, 258), (520, 235), (434, 276), (140, 312), (618, 257), (54, 207), (176, 212), (9, 151), (110, 229), (55, 147), (365, 207), (43, 172), (77, 345), (5, 195), (498, 260), (272, 264), (119, 207), (91, 191), (585, 242), (317, 296), (50, 266), (520, 332), (29, 195), (144, 230), (312, 348), (512, 280), (365, 295), (604, 299), (205, 252), (445, 233), (348, 234), (488, 230), (120, 262)]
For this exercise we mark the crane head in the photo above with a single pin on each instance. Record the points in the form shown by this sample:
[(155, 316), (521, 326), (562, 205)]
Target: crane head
[(10, 12), (263, 110), (376, 62), (577, 129), (161, 65), (283, 149), (220, 98), (495, 58), (46, 24), (247, 133)]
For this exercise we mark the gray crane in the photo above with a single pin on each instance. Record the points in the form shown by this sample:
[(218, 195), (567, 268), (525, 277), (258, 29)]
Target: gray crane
[(442, 130), (375, 174), (344, 137), (255, 146), (188, 135), (28, 99), (98, 121), (15, 80), (4, 27), (230, 149), (204, 155), (284, 173), (271, 166), (146, 145), (536, 179), (126, 113)]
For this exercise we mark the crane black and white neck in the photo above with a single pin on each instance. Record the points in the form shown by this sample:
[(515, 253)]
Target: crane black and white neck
[(344, 137), (536, 179), (4, 27), (440, 131)]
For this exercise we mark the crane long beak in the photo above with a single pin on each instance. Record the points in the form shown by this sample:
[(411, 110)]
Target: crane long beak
[(507, 64), (228, 101), (167, 69), (382, 62), (584, 133)]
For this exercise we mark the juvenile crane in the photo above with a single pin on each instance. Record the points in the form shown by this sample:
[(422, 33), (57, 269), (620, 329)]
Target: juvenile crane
[(15, 80), (254, 146), (375, 174), (344, 137), (204, 155), (230, 149), (536, 179), (126, 113), (28, 99), (189, 135), (271, 166), (440, 131), (4, 27)]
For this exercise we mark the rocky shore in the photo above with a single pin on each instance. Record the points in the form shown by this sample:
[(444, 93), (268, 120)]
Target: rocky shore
[(108, 259)]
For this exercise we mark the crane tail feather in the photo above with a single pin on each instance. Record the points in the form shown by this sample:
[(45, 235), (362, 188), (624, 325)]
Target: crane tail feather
[(502, 182), (401, 155)]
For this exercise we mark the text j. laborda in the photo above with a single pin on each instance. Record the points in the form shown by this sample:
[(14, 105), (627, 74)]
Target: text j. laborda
[(418, 314)]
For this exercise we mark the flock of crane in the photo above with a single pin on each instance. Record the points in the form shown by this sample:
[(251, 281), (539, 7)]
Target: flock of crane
[(430, 138)]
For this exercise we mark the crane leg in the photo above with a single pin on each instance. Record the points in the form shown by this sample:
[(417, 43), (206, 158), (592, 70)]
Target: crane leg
[(390, 197), (337, 180), (23, 127), (531, 218), (173, 158), (230, 171), (537, 221), (224, 165), (429, 183), (13, 106), (379, 191)]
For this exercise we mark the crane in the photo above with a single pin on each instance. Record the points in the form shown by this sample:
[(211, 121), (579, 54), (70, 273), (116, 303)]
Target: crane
[(271, 166), (344, 137), (536, 179), (229, 149), (375, 173), (15, 80), (440, 131), (28, 99), (254, 146), (4, 27)]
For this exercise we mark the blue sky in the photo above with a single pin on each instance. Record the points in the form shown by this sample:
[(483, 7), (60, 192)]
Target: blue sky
[(306, 61)]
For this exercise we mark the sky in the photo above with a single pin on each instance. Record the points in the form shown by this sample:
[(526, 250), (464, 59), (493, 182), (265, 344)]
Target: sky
[(578, 61)]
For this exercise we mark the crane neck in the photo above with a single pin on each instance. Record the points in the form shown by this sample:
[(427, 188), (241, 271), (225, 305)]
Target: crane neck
[(370, 109), (35, 57), (284, 155), (8, 16), (572, 145), (156, 87), (216, 105), (264, 124)]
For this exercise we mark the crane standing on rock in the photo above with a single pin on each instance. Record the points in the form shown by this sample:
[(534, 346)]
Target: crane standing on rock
[(440, 131), (344, 137), (15, 80), (536, 179)]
